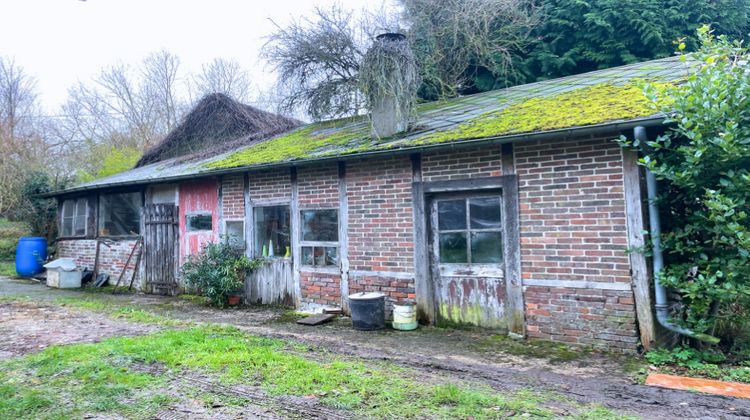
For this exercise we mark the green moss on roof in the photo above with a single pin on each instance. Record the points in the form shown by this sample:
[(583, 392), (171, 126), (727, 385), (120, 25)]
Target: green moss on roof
[(581, 107), (318, 139)]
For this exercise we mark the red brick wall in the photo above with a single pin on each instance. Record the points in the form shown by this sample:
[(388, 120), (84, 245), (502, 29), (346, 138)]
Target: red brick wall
[(474, 162), (274, 184), (111, 260), (320, 288), (573, 229), (233, 197)]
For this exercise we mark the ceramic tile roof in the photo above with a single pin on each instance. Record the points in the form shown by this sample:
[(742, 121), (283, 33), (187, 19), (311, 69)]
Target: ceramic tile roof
[(596, 98)]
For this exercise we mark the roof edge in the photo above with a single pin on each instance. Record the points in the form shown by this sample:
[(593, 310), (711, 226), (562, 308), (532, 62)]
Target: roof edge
[(513, 138)]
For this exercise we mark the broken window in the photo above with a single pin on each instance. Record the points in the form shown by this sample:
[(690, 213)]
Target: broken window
[(320, 235), (470, 230), (272, 238), (73, 218), (120, 214)]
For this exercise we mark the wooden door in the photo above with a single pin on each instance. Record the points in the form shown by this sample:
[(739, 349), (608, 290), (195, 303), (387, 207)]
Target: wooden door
[(199, 216), (466, 258), (160, 248)]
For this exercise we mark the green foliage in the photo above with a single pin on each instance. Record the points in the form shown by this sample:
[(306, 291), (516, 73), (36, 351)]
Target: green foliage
[(39, 213), (578, 36), (110, 161), (704, 165), (218, 271), (9, 234), (707, 364)]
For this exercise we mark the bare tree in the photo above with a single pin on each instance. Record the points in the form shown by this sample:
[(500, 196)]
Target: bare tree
[(222, 76), (317, 61), (17, 95), (160, 77), (455, 40)]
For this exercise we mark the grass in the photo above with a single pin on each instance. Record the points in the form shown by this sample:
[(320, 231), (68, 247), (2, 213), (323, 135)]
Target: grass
[(127, 312), (554, 352), (75, 380), (8, 268)]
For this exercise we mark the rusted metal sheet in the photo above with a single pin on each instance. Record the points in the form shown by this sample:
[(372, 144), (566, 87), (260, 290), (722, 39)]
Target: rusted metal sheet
[(272, 283), (198, 197)]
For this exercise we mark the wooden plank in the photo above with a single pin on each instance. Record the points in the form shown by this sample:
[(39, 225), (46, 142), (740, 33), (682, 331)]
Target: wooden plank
[(472, 270), (316, 319), (708, 386), (514, 311), (425, 295), (507, 160), (249, 218), (296, 252), (473, 184), (343, 236), (636, 243)]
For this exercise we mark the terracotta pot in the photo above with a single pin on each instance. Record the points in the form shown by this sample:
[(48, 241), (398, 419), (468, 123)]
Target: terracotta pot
[(234, 300)]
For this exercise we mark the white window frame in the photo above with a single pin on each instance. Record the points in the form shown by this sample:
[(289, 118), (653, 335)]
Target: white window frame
[(320, 244), (76, 202)]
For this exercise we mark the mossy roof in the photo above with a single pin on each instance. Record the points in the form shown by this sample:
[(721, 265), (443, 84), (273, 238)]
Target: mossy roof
[(595, 98)]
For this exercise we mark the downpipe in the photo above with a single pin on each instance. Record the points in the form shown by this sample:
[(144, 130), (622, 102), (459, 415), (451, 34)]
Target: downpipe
[(660, 291)]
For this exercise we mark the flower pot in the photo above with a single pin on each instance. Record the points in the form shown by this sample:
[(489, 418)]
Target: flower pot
[(234, 300)]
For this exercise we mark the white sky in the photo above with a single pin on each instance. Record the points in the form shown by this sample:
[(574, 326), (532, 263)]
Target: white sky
[(62, 41)]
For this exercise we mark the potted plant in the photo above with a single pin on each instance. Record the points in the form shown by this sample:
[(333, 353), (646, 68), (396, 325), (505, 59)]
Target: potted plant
[(218, 272)]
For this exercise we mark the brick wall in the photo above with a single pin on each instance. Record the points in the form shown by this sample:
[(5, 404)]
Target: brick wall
[(380, 226), (111, 260), (573, 229), (233, 197), (320, 288), (274, 184), (474, 162)]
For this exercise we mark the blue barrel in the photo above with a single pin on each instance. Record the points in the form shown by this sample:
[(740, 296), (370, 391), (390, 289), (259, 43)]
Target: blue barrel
[(31, 253)]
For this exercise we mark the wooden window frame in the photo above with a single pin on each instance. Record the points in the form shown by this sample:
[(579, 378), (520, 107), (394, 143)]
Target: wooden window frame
[(321, 244), (468, 230), (139, 191)]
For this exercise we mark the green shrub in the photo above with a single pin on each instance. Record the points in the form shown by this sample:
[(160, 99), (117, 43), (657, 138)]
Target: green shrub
[(218, 271)]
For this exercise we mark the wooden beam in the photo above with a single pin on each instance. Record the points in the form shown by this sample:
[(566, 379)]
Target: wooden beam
[(249, 218), (508, 162), (422, 279), (296, 251), (472, 184), (515, 311), (636, 244), (343, 237)]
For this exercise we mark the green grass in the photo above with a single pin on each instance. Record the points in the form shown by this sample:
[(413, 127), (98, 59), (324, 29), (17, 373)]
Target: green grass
[(116, 310), (70, 381), (8, 268), (554, 352)]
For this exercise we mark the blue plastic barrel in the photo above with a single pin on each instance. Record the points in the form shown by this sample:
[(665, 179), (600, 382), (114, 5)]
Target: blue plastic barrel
[(31, 253)]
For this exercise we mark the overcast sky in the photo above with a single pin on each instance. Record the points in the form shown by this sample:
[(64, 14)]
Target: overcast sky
[(62, 41)]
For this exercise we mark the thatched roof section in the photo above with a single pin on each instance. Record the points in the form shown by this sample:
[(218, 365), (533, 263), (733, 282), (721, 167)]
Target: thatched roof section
[(217, 124)]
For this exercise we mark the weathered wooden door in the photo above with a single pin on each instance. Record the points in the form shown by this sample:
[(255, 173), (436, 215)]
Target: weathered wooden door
[(160, 247), (466, 258), (199, 216)]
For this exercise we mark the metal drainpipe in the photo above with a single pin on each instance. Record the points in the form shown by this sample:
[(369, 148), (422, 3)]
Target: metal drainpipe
[(660, 292)]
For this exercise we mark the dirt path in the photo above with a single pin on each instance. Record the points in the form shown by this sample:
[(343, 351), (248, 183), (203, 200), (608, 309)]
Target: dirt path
[(470, 355)]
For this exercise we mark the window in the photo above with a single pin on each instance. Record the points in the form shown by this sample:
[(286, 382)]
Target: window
[(120, 214), (320, 235), (199, 222), (469, 230), (73, 218), (234, 233), (272, 237)]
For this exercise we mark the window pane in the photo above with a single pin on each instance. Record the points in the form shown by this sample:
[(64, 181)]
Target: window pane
[(272, 231), (331, 256), (320, 225), (486, 247), (453, 248), (81, 207), (451, 215), (119, 214), (66, 227), (68, 208), (196, 222), (307, 255), (79, 226), (234, 231), (485, 213)]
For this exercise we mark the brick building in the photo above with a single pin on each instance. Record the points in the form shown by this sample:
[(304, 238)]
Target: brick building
[(512, 209)]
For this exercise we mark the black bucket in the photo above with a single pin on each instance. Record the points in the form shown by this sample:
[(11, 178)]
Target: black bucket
[(368, 311)]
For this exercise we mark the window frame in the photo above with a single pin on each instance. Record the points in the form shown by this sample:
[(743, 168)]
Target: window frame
[(243, 231), (320, 244), (198, 213), (99, 218), (252, 246), (86, 217), (468, 230)]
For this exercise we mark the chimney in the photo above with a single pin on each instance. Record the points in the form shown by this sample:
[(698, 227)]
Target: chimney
[(389, 80)]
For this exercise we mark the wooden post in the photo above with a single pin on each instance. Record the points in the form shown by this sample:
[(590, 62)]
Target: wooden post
[(636, 244), (422, 278), (512, 242), (343, 237), (296, 251)]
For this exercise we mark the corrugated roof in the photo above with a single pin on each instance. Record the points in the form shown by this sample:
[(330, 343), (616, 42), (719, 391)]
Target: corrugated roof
[(591, 99)]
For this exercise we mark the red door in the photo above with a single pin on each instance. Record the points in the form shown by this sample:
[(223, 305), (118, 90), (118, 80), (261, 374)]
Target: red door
[(199, 215)]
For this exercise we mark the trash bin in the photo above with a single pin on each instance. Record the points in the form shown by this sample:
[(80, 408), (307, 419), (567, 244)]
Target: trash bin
[(368, 310), (63, 273)]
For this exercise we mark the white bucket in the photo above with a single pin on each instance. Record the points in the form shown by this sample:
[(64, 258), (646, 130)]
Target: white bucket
[(405, 317)]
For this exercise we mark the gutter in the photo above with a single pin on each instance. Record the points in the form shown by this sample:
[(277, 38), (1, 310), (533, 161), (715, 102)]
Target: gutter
[(515, 138), (660, 291)]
